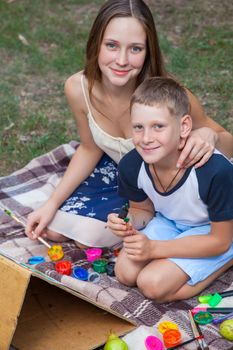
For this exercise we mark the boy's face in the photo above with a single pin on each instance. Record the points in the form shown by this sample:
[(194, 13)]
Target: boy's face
[(156, 133)]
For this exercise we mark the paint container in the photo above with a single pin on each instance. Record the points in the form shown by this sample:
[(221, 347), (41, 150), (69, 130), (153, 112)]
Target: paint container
[(63, 267), (100, 265), (153, 343), (80, 273), (93, 254)]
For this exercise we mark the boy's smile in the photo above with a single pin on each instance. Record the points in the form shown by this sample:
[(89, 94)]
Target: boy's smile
[(156, 133)]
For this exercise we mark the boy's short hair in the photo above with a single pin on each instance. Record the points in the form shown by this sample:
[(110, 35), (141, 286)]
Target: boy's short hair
[(162, 91)]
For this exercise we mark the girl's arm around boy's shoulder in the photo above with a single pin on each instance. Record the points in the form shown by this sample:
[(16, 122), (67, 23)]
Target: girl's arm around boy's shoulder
[(209, 130)]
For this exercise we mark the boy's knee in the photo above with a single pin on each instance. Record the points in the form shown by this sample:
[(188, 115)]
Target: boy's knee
[(151, 289), (124, 277)]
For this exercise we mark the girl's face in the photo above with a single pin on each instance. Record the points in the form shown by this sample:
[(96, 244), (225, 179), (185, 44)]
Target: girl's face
[(122, 51)]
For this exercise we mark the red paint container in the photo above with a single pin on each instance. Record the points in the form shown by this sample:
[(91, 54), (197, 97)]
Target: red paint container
[(63, 267)]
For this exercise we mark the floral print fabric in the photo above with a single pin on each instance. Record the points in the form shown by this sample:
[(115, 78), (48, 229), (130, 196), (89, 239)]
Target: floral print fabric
[(98, 195)]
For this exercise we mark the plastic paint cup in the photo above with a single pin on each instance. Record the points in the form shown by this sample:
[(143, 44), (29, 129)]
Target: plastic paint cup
[(153, 343), (94, 277), (165, 325), (36, 260), (203, 317), (100, 265), (80, 273), (93, 254), (215, 300), (55, 252), (63, 267), (110, 269), (204, 299), (171, 337)]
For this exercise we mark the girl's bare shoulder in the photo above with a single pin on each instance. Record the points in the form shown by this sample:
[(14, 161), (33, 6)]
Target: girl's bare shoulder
[(73, 91), (73, 84)]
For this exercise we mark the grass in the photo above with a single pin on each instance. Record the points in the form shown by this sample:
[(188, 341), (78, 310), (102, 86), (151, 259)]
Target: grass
[(196, 39)]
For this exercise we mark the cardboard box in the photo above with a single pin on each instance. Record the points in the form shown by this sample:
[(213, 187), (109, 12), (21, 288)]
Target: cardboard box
[(36, 313)]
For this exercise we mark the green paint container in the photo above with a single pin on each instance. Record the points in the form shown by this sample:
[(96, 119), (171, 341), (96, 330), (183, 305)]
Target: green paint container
[(100, 265)]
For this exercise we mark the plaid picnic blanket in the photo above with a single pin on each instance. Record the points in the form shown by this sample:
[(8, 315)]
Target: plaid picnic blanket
[(28, 188)]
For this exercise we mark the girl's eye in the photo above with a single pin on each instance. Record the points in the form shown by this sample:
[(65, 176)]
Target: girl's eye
[(136, 49), (111, 46)]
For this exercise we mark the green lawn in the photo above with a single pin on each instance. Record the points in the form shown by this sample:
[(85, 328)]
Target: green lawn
[(43, 42)]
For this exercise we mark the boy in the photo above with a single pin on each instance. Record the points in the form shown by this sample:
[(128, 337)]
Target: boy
[(188, 243)]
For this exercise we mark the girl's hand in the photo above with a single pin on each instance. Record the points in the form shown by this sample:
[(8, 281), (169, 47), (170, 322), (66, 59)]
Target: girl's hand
[(138, 247), (198, 148), (39, 219), (118, 226)]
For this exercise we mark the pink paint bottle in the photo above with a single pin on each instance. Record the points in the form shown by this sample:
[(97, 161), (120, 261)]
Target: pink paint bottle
[(93, 254), (153, 343)]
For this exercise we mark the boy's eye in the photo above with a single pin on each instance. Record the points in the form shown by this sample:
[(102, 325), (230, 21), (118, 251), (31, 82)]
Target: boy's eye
[(137, 127), (158, 126)]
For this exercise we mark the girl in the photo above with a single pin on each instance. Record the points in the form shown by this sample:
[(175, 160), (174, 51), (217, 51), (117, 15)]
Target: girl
[(99, 97)]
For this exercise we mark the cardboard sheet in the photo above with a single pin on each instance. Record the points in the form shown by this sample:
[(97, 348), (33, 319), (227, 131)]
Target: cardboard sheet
[(14, 282), (41, 316)]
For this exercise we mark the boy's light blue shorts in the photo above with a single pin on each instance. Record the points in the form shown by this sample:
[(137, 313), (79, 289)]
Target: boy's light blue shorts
[(198, 269)]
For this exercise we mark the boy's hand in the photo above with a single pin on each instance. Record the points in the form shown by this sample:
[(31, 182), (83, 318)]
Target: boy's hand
[(137, 246), (118, 226)]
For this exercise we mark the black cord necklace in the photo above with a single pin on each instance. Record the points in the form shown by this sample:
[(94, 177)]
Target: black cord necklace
[(170, 183)]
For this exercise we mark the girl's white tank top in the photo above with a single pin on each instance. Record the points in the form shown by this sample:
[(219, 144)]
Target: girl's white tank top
[(114, 147)]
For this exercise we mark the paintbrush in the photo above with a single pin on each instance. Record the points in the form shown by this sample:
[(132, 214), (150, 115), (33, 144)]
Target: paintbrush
[(14, 217), (205, 346), (182, 344), (195, 331)]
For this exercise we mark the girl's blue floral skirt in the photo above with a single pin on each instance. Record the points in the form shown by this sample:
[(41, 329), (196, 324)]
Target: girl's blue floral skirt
[(98, 195)]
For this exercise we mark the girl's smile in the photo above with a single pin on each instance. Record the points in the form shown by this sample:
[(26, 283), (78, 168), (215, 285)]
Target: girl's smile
[(122, 56), (120, 72)]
